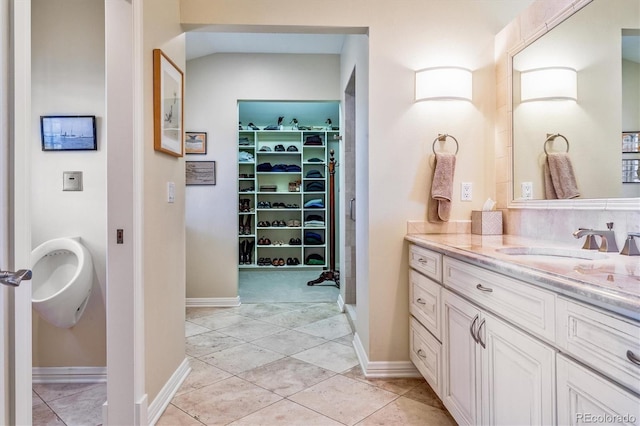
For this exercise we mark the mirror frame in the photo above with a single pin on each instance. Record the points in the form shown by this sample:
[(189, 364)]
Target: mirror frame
[(544, 27)]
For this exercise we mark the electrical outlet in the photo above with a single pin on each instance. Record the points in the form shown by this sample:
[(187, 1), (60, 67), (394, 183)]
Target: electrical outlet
[(171, 192), (527, 190), (466, 191)]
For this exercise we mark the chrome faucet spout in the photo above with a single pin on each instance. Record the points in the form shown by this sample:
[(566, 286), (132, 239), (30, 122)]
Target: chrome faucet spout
[(581, 232), (608, 238)]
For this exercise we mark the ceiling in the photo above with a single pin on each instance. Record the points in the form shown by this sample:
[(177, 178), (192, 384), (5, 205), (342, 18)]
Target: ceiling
[(203, 42)]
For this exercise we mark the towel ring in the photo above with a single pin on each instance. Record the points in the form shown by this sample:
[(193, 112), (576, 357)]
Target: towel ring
[(551, 138), (443, 138)]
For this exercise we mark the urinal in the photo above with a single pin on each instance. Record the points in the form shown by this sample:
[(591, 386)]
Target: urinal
[(62, 280)]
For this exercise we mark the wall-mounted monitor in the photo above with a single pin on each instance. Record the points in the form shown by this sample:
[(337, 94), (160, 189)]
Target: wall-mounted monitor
[(68, 132)]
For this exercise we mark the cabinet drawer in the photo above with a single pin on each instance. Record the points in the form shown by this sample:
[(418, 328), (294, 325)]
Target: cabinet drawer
[(605, 342), (426, 354), (425, 302), (522, 304), (426, 261)]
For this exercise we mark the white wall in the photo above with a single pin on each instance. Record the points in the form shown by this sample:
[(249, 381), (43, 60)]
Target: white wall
[(68, 78), (215, 83)]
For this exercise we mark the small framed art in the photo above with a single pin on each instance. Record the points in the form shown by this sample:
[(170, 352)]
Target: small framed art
[(200, 172), (168, 105), (68, 133), (195, 143)]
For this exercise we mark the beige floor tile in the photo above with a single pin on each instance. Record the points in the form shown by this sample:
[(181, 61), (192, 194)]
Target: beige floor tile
[(241, 358), (407, 412), (250, 329), (424, 394), (50, 391), (329, 328), (42, 415), (398, 386), (201, 375), (331, 356), (286, 376), (35, 399), (343, 399), (284, 413), (83, 408), (217, 321), (345, 340), (173, 416), (260, 310), (289, 342), (191, 329), (193, 312), (207, 343), (304, 316), (225, 401)]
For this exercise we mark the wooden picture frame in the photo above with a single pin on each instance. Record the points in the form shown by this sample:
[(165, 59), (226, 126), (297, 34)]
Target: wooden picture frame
[(168, 105), (200, 172), (195, 143)]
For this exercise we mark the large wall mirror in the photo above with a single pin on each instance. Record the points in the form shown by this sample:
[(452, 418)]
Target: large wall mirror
[(601, 42)]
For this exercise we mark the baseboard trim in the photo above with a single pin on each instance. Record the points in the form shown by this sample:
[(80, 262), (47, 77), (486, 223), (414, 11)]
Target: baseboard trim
[(382, 369), (340, 303), (164, 397), (69, 374), (213, 302)]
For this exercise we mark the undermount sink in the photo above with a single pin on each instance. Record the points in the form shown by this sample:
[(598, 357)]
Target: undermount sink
[(552, 252)]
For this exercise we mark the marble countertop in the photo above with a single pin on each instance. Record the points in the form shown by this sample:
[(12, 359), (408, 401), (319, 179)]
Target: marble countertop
[(611, 281)]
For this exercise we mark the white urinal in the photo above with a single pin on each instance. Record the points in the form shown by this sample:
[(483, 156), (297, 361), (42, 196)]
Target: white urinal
[(62, 280)]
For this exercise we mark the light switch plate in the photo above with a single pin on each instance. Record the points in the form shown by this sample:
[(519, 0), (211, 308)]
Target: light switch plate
[(72, 181)]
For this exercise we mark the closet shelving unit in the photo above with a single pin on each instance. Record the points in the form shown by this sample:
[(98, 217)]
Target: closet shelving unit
[(286, 193)]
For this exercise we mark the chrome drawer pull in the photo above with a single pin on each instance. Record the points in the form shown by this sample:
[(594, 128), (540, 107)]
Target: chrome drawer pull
[(420, 301), (633, 358), (482, 288), (423, 261), (421, 354), (479, 337), (472, 330)]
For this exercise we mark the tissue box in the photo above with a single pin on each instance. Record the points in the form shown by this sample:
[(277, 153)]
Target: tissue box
[(486, 222)]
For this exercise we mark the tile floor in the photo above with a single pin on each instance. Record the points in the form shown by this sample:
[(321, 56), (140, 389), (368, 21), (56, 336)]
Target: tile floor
[(288, 364)]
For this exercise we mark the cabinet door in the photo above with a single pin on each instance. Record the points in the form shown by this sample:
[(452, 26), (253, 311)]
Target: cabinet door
[(460, 388), (585, 397), (517, 376)]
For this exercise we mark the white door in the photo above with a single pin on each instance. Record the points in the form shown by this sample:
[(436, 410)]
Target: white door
[(517, 376), (460, 356), (15, 231)]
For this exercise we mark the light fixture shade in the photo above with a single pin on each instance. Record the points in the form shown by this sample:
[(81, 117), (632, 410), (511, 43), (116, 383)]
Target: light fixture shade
[(443, 83), (554, 83)]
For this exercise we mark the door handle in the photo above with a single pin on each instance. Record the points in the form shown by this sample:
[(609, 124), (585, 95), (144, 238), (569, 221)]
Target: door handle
[(351, 202), (13, 279), (483, 288), (478, 333)]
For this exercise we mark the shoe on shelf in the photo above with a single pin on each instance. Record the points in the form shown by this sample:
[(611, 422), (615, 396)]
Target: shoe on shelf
[(252, 126)]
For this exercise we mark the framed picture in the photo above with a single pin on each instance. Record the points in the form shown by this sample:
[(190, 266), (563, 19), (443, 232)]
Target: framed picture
[(630, 141), (168, 103), (68, 132), (195, 143), (200, 172), (631, 171)]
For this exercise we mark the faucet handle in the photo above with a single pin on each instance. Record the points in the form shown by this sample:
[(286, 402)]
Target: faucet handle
[(609, 226), (630, 248)]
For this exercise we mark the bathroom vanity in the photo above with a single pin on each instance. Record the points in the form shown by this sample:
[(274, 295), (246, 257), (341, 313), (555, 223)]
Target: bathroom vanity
[(509, 330)]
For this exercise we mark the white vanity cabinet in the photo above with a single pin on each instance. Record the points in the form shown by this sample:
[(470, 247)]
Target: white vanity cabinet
[(493, 372)]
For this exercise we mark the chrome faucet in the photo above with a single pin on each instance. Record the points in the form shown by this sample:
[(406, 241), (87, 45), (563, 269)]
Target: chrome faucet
[(608, 238)]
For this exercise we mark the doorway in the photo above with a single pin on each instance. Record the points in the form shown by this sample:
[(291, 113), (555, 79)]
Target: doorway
[(349, 220)]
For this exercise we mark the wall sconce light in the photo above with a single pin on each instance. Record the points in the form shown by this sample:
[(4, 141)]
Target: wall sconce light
[(554, 83), (443, 83)]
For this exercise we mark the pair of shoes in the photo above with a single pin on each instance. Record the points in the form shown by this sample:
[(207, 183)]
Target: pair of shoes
[(294, 223), (245, 225), (264, 261), (293, 261), (295, 241), (246, 252), (278, 205), (277, 262), (249, 189), (252, 126), (244, 205), (264, 241), (264, 224), (292, 206), (292, 148), (278, 223), (264, 205)]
